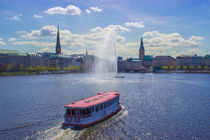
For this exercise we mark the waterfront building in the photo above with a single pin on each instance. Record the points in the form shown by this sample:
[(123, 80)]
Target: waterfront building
[(163, 62), (62, 61), (89, 63), (129, 65), (206, 61), (37, 60), (12, 60), (189, 61), (141, 51), (58, 45), (147, 63)]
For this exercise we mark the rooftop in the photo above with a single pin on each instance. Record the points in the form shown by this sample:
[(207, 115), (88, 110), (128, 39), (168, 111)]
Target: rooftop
[(59, 56), (94, 100), (12, 52)]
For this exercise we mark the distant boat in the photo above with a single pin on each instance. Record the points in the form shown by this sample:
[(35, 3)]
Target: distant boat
[(119, 76), (92, 110)]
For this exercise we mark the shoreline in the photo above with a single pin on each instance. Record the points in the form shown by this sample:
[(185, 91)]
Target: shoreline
[(62, 72)]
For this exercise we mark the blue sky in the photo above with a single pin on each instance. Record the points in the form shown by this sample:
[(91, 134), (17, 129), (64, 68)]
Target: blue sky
[(168, 27)]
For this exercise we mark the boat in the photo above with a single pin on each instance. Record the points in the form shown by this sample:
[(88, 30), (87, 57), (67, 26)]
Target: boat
[(119, 76), (92, 110)]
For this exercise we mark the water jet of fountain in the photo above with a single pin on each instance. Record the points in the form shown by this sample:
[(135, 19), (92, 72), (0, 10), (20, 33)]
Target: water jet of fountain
[(106, 54)]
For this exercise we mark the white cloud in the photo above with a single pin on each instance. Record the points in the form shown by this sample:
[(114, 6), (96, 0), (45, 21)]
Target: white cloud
[(194, 51), (135, 24), (35, 43), (46, 50), (88, 11), (45, 31), (11, 39), (93, 9), (69, 10), (16, 17), (2, 42), (116, 28), (157, 39), (20, 32), (37, 16)]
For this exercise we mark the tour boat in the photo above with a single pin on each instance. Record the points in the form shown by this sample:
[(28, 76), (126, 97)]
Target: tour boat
[(92, 110)]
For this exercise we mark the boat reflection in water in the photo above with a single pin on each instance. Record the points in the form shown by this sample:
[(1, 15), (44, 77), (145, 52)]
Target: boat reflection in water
[(92, 110)]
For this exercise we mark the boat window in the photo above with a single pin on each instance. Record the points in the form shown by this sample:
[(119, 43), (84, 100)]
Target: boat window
[(97, 107), (67, 111), (109, 102), (73, 111), (101, 106), (92, 109), (105, 105), (85, 112)]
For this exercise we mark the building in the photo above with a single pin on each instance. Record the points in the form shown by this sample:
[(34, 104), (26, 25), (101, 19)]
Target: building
[(163, 62), (58, 45), (147, 63), (37, 60), (206, 60), (189, 61), (141, 51), (89, 62), (62, 61), (129, 65), (12, 60)]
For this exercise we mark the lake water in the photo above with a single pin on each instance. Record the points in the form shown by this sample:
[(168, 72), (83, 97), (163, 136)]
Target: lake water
[(156, 106)]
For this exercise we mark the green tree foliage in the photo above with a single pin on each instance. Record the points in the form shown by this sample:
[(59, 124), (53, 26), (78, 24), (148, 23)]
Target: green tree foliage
[(165, 67), (171, 67), (9, 67), (184, 67), (30, 69), (178, 67), (191, 67), (198, 67)]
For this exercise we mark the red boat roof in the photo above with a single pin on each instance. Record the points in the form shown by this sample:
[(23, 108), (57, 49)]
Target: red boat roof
[(94, 100)]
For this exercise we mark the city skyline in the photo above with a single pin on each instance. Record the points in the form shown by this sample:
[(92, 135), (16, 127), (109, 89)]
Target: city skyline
[(178, 28)]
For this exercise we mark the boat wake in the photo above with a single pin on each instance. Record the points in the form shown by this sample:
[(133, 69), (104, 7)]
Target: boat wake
[(97, 131)]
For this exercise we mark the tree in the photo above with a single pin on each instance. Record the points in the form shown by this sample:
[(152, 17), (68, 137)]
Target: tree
[(191, 67), (21, 67), (58, 68), (184, 67), (171, 67), (178, 67), (198, 67), (164, 67), (38, 68), (9, 67), (30, 68), (206, 67)]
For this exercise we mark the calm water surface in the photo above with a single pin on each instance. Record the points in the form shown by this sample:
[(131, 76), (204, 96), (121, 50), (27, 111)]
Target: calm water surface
[(157, 106)]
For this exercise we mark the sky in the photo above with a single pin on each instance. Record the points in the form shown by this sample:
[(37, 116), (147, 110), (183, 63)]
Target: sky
[(168, 27)]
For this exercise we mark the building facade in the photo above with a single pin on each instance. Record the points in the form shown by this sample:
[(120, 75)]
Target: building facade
[(163, 62)]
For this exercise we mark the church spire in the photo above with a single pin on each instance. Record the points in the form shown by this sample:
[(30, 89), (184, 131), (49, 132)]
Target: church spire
[(58, 45), (141, 51), (142, 45), (86, 52)]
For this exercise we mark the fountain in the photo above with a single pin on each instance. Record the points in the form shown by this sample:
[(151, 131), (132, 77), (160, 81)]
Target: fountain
[(106, 54)]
